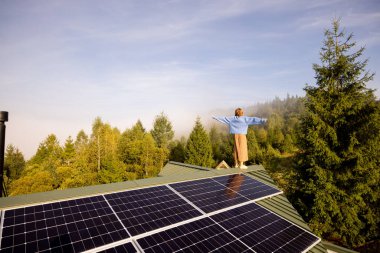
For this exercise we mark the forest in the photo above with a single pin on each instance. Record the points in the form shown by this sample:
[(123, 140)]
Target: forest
[(323, 149)]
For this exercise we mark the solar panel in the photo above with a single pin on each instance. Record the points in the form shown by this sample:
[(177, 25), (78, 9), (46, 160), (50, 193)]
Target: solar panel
[(213, 194), (248, 228), (202, 235), (189, 216), (67, 226), (247, 186), (124, 248), (147, 209), (264, 231)]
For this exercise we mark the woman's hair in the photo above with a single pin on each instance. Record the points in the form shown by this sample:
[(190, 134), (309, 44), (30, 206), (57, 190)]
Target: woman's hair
[(239, 112)]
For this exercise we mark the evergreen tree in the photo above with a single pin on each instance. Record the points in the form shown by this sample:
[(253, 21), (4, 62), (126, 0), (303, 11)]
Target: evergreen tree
[(198, 147), (68, 151), (162, 131), (275, 135), (14, 162), (178, 150), (216, 143), (339, 165), (48, 152), (255, 154)]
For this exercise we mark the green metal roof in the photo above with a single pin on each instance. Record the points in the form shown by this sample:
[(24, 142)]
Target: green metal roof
[(172, 172)]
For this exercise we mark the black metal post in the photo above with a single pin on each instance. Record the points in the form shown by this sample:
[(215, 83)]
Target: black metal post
[(3, 119)]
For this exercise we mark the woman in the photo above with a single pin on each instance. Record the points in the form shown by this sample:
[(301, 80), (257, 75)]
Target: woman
[(238, 127)]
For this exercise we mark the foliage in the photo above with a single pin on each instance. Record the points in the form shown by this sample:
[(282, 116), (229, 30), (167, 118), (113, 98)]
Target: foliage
[(14, 163), (105, 156), (139, 152), (178, 150), (338, 168), (198, 147), (326, 161), (162, 131)]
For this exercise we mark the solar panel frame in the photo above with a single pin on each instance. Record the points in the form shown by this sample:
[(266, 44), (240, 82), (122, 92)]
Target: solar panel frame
[(126, 247)]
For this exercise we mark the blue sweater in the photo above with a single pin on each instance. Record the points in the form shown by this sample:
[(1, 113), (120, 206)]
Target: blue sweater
[(239, 125)]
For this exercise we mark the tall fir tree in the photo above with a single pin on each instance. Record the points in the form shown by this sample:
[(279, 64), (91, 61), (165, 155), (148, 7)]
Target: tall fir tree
[(339, 138), (14, 162), (198, 147), (68, 153), (162, 131)]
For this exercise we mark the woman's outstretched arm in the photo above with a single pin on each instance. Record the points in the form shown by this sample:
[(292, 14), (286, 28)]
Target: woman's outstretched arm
[(225, 120)]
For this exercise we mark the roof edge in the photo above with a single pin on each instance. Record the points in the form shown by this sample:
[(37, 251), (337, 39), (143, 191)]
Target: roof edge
[(336, 248), (94, 190)]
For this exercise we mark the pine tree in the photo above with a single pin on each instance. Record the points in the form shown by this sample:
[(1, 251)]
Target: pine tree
[(68, 151), (339, 165), (14, 162), (255, 154), (198, 147), (162, 131), (178, 150)]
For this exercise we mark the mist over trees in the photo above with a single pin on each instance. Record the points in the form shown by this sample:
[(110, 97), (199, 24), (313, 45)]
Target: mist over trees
[(108, 155)]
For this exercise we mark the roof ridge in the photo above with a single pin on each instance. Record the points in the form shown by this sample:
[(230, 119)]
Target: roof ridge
[(190, 166)]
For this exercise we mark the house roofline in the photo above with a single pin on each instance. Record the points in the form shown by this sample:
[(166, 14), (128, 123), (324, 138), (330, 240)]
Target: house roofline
[(94, 190)]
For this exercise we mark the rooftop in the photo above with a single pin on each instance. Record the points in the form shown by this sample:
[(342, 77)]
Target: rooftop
[(173, 172)]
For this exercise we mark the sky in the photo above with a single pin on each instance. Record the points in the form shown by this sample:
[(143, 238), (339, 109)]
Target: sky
[(64, 63)]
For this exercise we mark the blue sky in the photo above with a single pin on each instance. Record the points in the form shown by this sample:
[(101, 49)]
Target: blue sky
[(63, 63)]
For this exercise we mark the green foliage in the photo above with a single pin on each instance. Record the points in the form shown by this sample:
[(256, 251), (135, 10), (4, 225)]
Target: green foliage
[(198, 147), (14, 163), (338, 168), (102, 147), (68, 154), (178, 150), (162, 131), (255, 153), (49, 152), (138, 151), (35, 178)]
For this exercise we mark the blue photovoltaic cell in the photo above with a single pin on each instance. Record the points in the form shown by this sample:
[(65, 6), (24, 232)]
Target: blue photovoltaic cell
[(147, 209), (263, 231), (124, 248), (203, 235), (213, 194), (67, 226)]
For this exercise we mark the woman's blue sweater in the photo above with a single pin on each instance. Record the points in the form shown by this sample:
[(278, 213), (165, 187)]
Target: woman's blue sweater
[(239, 125)]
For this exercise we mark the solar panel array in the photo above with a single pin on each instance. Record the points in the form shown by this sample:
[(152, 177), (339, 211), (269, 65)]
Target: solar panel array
[(213, 214)]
